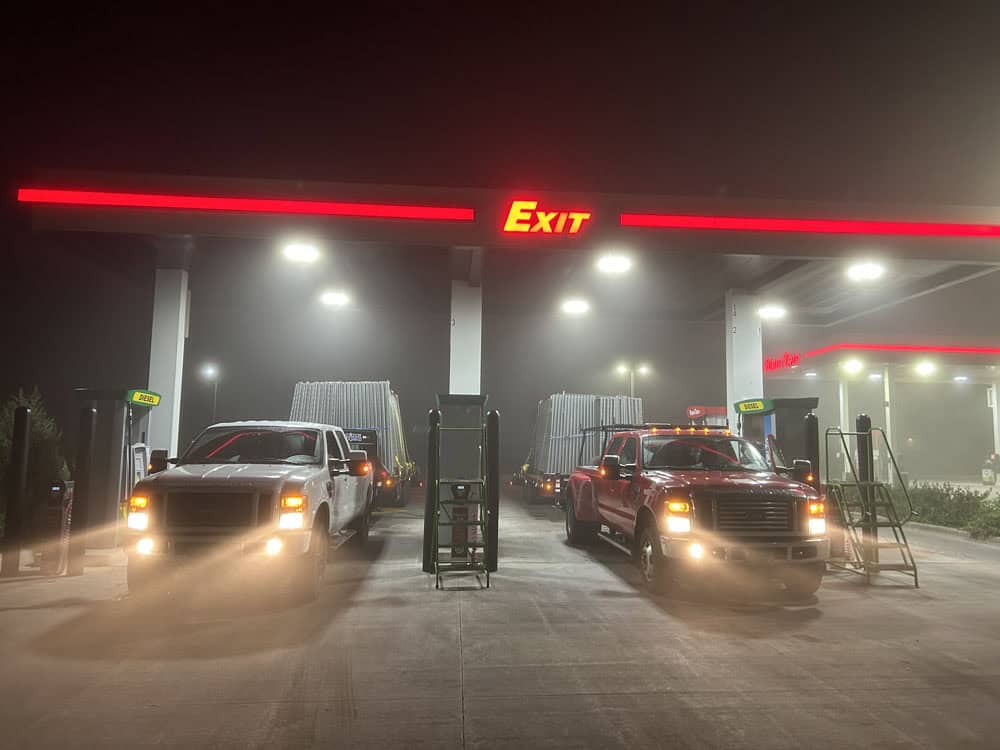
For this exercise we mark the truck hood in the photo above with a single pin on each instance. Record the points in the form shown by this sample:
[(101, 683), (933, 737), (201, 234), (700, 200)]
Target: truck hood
[(731, 480), (232, 475)]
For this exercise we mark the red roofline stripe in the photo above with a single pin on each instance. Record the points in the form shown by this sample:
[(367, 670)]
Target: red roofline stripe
[(243, 205), (809, 226), (921, 348)]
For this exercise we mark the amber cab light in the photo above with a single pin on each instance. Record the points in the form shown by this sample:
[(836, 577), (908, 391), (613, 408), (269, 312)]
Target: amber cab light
[(293, 502), (817, 509), (678, 506), (138, 502)]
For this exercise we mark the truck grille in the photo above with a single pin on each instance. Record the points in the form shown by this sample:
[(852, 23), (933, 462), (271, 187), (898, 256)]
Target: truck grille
[(210, 509), (748, 513)]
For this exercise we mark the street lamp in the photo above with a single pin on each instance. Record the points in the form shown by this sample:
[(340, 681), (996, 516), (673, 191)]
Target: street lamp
[(626, 369), (210, 372)]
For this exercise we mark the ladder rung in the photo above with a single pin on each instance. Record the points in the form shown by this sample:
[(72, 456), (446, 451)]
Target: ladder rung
[(892, 545), (473, 501), (901, 567), (462, 523), (461, 429), (462, 481)]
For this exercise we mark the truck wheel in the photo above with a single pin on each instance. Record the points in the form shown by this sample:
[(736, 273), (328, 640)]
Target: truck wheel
[(313, 566), (361, 527), (804, 580), (577, 531), (656, 570)]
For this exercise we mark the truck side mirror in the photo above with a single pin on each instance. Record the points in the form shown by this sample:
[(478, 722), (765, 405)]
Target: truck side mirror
[(358, 465), (158, 461), (611, 468), (802, 471)]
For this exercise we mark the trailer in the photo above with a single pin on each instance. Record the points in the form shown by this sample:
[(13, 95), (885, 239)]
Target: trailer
[(559, 425), (369, 413)]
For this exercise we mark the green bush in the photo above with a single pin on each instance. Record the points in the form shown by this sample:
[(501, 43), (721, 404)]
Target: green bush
[(45, 460), (986, 524), (946, 505), (957, 507)]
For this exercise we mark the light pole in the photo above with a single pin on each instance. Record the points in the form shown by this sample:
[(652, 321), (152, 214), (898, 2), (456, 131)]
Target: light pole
[(210, 373), (625, 369)]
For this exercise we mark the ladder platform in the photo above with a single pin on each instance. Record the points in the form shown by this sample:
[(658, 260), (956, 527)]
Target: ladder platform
[(480, 482)]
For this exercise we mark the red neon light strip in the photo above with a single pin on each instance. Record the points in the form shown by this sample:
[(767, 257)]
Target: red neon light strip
[(809, 226), (989, 350), (243, 205)]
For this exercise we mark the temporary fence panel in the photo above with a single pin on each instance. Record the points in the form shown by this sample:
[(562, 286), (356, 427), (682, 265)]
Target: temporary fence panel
[(359, 405), (560, 420)]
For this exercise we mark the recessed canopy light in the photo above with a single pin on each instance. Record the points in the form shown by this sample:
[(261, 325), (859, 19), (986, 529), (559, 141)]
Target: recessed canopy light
[(961, 378), (772, 312), (300, 252), (810, 374), (575, 306), (874, 376), (335, 298), (925, 368), (853, 366), (614, 263), (865, 271)]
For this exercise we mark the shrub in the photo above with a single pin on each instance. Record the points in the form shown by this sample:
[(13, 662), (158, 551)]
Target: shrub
[(946, 505), (45, 461), (986, 523)]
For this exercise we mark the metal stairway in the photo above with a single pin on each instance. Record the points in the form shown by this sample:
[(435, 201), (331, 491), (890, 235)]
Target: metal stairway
[(461, 512), (864, 506)]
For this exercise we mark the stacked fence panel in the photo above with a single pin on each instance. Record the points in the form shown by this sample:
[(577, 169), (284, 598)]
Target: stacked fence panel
[(560, 422), (360, 405)]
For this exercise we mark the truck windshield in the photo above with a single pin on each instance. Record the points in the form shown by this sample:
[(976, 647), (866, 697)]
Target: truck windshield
[(255, 445), (701, 452)]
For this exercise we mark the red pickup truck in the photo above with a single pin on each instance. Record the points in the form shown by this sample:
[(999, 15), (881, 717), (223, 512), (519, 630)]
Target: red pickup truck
[(683, 499)]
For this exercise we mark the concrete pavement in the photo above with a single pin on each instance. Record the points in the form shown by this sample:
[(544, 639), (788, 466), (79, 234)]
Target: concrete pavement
[(565, 650)]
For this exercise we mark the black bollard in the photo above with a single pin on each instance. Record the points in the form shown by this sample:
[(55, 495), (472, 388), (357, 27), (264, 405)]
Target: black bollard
[(431, 488), (17, 488), (82, 490), (866, 477), (492, 488)]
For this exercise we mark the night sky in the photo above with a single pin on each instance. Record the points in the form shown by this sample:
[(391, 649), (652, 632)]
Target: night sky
[(870, 102)]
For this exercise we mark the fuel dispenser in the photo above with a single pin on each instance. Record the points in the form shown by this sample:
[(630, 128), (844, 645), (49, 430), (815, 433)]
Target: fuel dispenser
[(787, 430), (121, 456)]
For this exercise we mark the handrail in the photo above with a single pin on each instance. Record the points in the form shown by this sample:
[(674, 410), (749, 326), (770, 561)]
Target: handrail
[(912, 513)]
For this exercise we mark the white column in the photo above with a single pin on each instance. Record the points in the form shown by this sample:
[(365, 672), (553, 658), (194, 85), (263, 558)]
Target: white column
[(166, 356), (845, 425), (887, 416), (744, 351), (466, 359), (995, 408)]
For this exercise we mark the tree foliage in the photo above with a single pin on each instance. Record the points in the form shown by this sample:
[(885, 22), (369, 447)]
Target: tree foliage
[(45, 460)]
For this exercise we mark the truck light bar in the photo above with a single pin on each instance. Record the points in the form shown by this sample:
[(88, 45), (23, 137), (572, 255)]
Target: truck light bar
[(658, 426), (243, 205)]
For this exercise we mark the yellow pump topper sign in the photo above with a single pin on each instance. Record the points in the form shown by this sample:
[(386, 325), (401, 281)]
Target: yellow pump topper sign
[(143, 398)]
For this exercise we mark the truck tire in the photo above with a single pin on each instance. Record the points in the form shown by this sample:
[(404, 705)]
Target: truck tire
[(361, 527), (804, 580), (313, 566), (579, 532), (658, 575)]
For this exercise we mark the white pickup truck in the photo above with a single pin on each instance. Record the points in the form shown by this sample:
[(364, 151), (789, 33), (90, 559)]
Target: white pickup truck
[(272, 496)]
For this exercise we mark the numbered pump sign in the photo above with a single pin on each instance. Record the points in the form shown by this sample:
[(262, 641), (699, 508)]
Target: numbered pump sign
[(142, 398)]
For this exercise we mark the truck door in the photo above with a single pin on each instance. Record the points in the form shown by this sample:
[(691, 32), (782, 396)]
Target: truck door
[(620, 491), (606, 490), (354, 486), (630, 489), (339, 502)]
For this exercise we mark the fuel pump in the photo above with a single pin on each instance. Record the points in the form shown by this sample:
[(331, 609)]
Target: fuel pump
[(783, 427)]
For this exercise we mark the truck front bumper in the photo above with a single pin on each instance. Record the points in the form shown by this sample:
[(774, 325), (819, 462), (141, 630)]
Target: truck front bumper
[(703, 551), (266, 558)]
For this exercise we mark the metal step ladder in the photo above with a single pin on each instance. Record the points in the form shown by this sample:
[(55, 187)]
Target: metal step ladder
[(461, 512), (866, 509)]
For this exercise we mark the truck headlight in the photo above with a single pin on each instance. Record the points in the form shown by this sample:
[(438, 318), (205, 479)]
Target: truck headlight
[(293, 514), (678, 524), (817, 517), (138, 513)]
